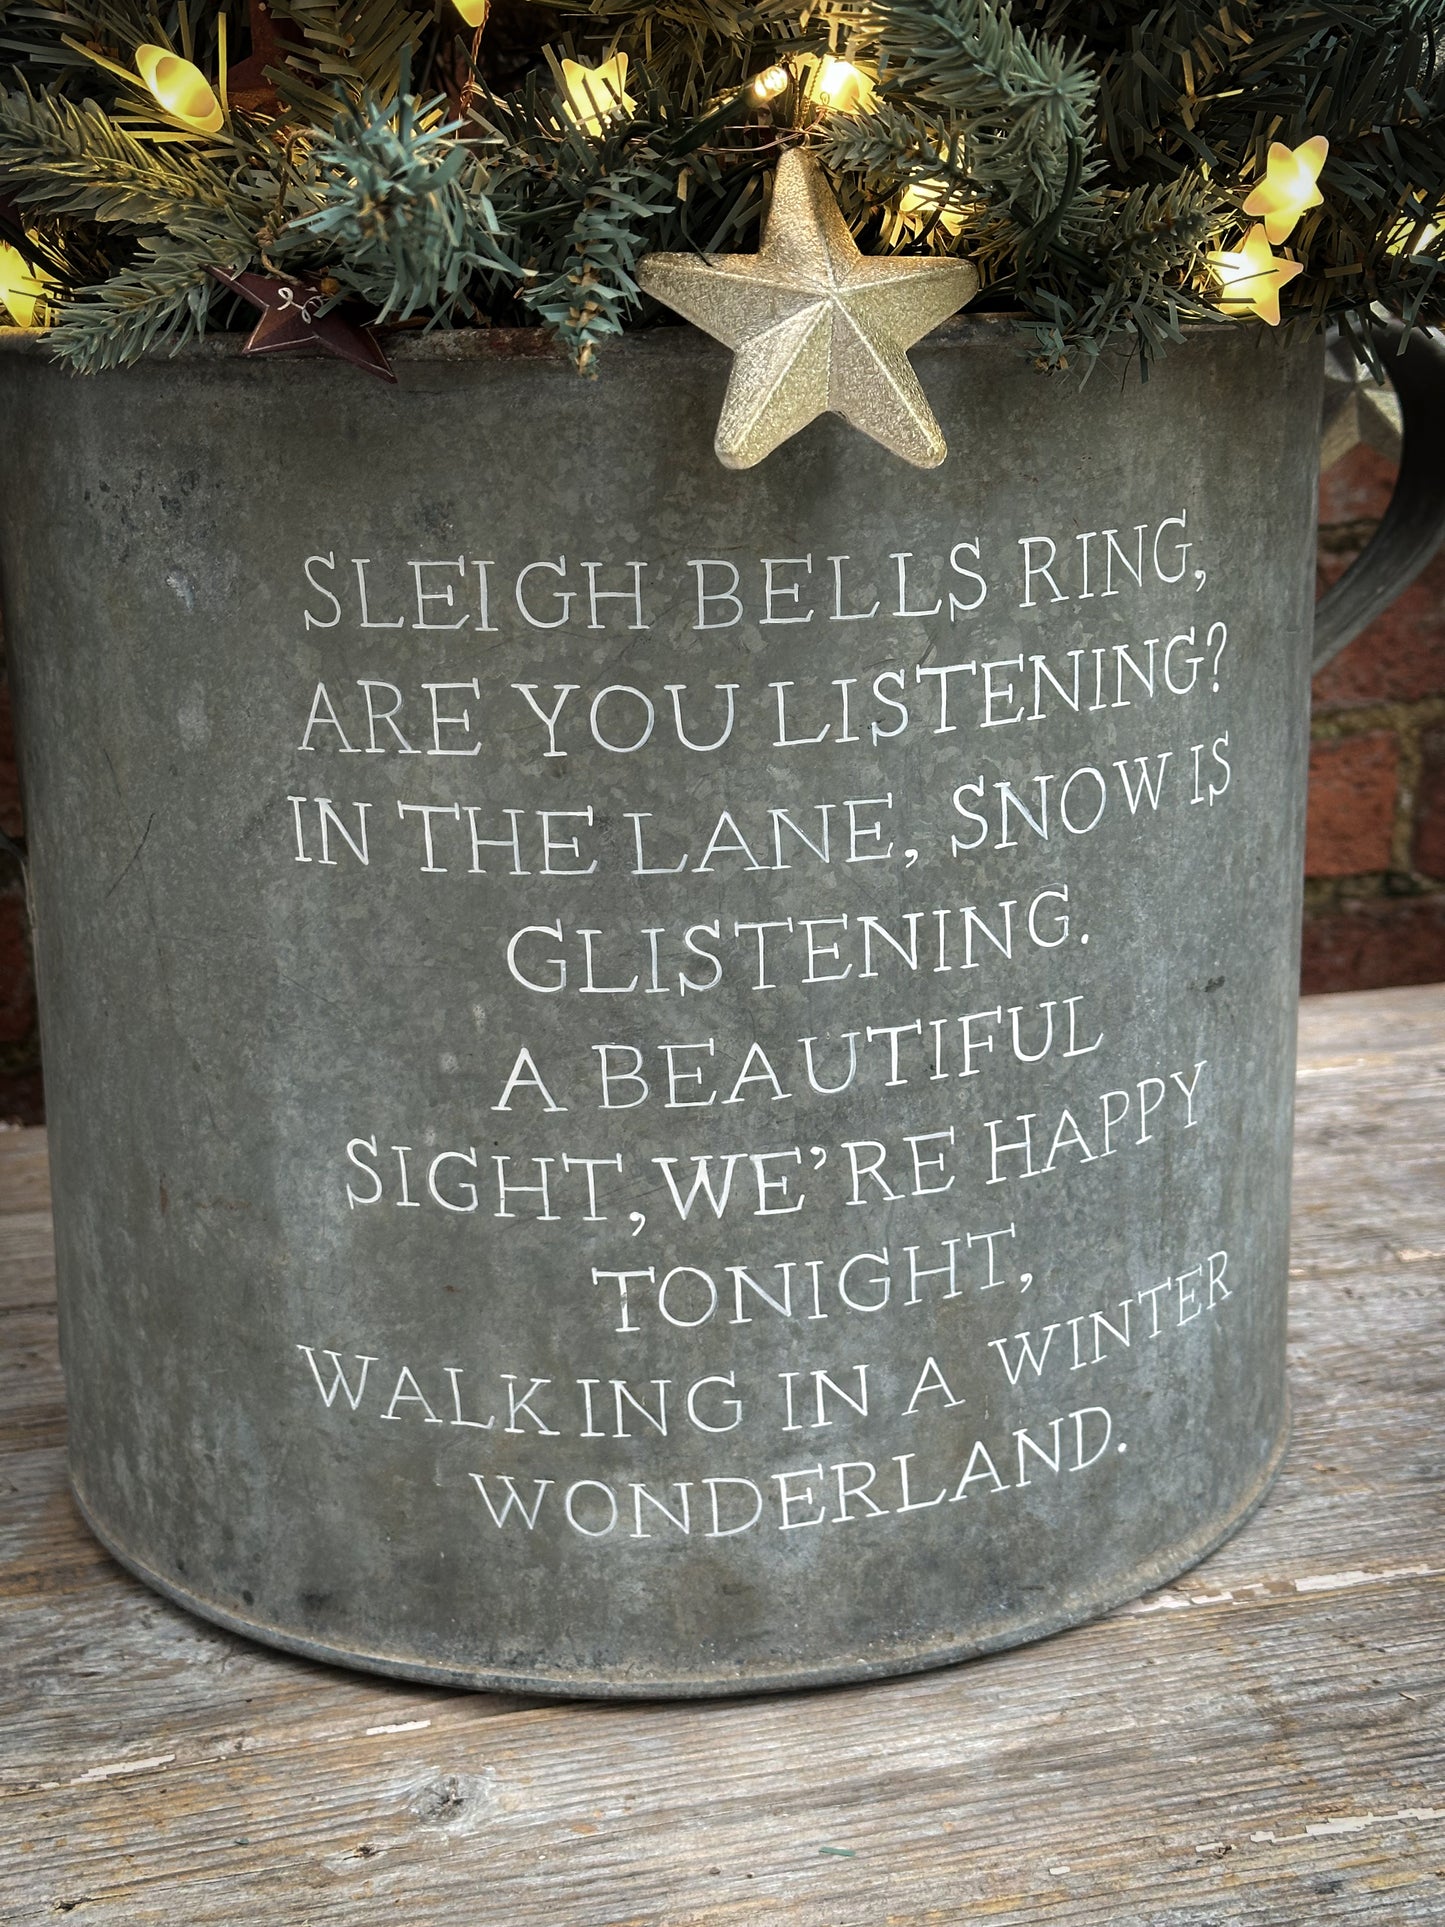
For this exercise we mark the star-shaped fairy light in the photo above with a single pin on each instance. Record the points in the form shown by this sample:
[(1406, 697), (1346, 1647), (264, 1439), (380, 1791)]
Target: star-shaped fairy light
[(290, 322), (22, 287), (815, 325), (1289, 186), (1251, 277), (593, 96), (840, 85), (926, 204)]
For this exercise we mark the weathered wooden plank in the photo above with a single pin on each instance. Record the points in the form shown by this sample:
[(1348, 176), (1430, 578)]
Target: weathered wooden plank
[(31, 1386), (139, 1653), (719, 1813), (24, 1169), (1370, 1021), (27, 1273), (1261, 1743)]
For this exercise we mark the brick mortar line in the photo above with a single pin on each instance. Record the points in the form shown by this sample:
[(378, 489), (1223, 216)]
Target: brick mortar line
[(1339, 538), (1407, 787), (1372, 886), (1331, 724), (1408, 723)]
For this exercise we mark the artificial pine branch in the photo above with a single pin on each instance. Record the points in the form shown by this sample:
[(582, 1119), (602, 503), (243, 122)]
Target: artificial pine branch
[(579, 213), (402, 209), (594, 287), (344, 51), (166, 297), (53, 39), (70, 158), (695, 50), (1084, 153), (1023, 104)]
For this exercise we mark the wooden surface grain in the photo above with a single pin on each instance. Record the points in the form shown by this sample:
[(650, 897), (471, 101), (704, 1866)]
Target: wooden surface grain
[(1263, 1742)]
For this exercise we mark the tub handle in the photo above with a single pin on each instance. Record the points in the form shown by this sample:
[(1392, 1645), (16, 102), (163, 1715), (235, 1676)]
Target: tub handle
[(1414, 523)]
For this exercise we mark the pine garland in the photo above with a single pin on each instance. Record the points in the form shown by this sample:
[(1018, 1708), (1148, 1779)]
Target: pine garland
[(1087, 155), (403, 216)]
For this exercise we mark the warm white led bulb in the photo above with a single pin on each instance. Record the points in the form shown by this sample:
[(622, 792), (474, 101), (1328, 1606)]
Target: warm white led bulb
[(180, 87), (22, 288), (595, 95), (1250, 277), (1288, 187), (923, 200), (841, 85)]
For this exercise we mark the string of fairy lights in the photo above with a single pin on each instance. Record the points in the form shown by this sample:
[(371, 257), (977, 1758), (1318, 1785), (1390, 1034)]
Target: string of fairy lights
[(1246, 277)]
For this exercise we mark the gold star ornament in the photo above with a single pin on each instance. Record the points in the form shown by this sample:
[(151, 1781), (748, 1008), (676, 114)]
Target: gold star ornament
[(815, 326)]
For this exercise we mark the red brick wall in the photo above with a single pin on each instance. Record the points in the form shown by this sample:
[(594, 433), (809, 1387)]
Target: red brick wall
[(1375, 852), (20, 1095)]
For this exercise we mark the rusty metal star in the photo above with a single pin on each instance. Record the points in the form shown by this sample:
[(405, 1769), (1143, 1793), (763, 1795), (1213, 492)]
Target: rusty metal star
[(815, 326), (290, 322)]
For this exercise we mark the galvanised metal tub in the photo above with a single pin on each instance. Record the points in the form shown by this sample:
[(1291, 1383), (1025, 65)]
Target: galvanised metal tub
[(664, 1081)]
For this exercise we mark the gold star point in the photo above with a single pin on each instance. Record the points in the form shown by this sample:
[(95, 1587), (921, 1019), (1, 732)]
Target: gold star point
[(815, 326)]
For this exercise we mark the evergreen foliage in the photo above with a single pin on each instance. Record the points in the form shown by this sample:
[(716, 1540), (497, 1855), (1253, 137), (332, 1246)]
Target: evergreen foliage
[(1085, 154)]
